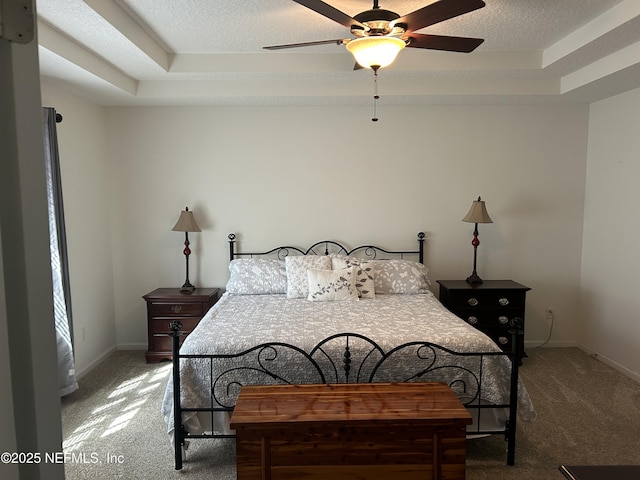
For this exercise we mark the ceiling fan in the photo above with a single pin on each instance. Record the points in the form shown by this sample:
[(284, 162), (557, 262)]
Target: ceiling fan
[(381, 34)]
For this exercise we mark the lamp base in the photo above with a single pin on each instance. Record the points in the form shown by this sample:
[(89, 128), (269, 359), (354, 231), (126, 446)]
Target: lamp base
[(187, 288), (474, 279)]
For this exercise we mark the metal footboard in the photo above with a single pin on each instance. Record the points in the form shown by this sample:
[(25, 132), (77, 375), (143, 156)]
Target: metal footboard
[(432, 361)]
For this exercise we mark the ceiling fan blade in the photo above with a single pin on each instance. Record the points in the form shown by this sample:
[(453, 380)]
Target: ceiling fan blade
[(441, 42), (437, 12), (338, 41), (330, 12)]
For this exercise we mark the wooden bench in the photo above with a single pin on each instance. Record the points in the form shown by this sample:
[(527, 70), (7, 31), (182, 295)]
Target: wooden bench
[(372, 431)]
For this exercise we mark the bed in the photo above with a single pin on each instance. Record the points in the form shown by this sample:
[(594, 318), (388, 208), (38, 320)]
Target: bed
[(329, 314)]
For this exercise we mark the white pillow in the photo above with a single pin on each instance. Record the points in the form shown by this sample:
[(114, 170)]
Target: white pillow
[(256, 276), (364, 273), (297, 266), (400, 276), (332, 285)]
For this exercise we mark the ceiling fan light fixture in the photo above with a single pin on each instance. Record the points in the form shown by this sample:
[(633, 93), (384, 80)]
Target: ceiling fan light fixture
[(379, 51)]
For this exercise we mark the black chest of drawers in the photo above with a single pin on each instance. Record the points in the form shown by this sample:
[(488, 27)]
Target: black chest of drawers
[(488, 306)]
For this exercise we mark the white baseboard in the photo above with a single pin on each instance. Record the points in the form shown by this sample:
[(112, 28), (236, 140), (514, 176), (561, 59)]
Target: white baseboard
[(550, 344), (612, 363), (101, 358), (131, 346), (597, 355)]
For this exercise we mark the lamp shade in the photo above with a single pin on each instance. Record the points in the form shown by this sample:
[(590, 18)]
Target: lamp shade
[(186, 222), (378, 51), (477, 213)]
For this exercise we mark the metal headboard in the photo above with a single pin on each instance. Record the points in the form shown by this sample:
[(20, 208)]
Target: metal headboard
[(325, 247)]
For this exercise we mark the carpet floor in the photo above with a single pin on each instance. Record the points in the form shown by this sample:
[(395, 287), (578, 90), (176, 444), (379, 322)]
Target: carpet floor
[(588, 414)]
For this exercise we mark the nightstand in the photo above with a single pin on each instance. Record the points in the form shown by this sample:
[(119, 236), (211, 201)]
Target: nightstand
[(488, 306), (167, 304)]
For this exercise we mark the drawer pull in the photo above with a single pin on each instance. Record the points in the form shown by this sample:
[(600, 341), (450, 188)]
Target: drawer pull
[(503, 340), (472, 320), (176, 308), (503, 320), (503, 302), (472, 301)]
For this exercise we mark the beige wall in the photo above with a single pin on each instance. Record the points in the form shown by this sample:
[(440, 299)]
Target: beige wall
[(610, 318), (299, 174)]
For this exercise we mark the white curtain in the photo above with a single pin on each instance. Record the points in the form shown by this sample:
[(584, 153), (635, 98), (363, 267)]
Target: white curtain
[(59, 265)]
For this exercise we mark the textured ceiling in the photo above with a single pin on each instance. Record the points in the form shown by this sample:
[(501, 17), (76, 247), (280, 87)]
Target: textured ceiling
[(189, 52)]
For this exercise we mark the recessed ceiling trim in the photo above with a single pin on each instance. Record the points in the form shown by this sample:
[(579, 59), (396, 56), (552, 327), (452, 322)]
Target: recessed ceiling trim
[(59, 44), (260, 62), (422, 61), (614, 84), (598, 70), (316, 87), (600, 26), (126, 25)]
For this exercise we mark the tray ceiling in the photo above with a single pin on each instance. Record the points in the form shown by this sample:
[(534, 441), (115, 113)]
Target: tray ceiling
[(190, 52)]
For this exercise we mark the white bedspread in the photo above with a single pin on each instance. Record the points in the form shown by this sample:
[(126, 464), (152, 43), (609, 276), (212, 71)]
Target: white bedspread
[(240, 322)]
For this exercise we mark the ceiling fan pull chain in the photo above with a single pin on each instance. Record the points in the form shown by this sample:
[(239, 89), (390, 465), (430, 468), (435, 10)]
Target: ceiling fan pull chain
[(375, 94)]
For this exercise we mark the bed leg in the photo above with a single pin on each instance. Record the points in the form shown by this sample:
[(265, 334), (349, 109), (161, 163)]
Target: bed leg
[(178, 433), (511, 445), (516, 333), (178, 451)]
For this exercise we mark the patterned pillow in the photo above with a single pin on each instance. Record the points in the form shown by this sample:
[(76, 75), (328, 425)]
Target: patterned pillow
[(364, 272), (297, 266), (400, 276), (254, 276), (332, 285)]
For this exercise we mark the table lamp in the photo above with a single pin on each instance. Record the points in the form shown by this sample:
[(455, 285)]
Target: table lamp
[(477, 214), (186, 223)]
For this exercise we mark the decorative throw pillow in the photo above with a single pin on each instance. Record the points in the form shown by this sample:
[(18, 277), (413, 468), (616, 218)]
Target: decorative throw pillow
[(297, 266), (255, 276), (363, 270), (332, 285), (400, 276)]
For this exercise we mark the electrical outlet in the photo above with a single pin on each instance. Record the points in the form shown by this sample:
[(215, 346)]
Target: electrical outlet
[(549, 312)]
